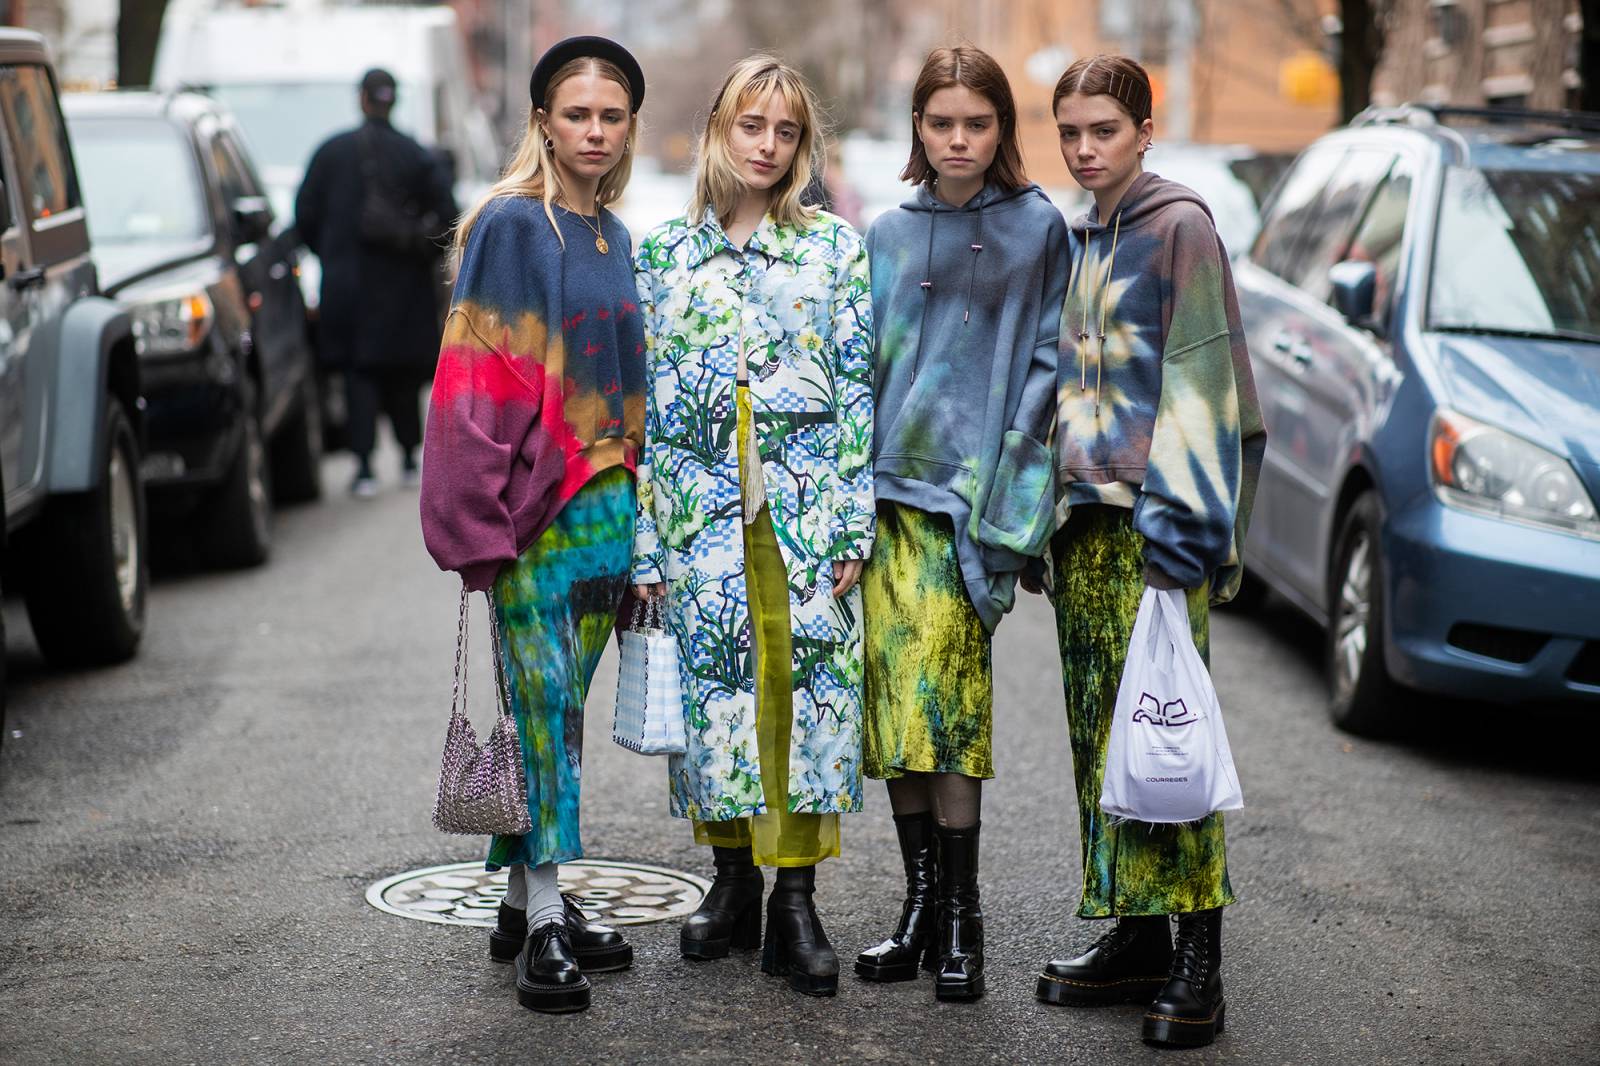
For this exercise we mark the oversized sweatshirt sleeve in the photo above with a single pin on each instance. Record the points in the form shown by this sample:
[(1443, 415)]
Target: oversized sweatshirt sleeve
[(1205, 450), (649, 562), (481, 407), (854, 511), (1019, 514)]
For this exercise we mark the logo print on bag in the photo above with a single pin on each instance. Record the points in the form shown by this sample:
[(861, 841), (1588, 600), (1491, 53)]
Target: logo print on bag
[(1155, 712)]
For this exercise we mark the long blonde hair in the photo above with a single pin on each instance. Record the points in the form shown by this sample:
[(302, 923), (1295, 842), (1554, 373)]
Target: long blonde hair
[(533, 171), (717, 185)]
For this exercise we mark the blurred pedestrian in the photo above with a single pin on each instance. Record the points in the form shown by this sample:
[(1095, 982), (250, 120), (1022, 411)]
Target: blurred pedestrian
[(968, 276), (1159, 443), (755, 513), (534, 430), (375, 206)]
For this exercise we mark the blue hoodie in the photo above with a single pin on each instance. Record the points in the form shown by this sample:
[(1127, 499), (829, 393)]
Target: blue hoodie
[(967, 302)]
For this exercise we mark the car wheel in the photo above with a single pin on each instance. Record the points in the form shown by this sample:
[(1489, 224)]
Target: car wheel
[(87, 569), (237, 529), (297, 451), (1362, 694)]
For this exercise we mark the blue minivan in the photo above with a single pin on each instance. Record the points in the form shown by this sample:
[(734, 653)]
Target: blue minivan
[(1422, 305)]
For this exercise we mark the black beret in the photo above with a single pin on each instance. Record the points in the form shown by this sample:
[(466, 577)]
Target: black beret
[(563, 52)]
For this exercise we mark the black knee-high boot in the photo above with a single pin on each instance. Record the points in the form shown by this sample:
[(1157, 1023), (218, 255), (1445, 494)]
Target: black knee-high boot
[(960, 973), (1189, 1010), (730, 915), (796, 945), (913, 940)]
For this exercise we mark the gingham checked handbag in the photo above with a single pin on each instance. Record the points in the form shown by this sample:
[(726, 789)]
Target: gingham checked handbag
[(482, 789), (649, 716)]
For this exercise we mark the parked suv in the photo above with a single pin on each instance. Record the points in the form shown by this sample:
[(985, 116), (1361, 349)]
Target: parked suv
[(71, 420), (182, 233), (1421, 312)]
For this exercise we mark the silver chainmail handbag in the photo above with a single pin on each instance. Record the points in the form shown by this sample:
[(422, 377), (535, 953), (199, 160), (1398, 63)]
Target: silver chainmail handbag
[(482, 789)]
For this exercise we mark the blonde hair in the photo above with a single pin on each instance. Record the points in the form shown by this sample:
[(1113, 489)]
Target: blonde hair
[(533, 171), (717, 185)]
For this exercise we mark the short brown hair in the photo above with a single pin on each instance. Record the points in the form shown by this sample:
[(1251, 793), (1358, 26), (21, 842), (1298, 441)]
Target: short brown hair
[(1119, 77), (977, 70)]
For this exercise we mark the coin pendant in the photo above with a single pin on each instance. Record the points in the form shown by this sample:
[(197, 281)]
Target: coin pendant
[(601, 245)]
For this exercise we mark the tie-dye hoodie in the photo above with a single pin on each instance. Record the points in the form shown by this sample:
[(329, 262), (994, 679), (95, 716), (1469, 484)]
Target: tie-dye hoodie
[(540, 384), (967, 304), (1157, 406)]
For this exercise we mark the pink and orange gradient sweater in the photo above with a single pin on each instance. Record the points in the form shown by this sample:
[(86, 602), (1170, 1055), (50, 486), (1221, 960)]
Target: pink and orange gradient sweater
[(539, 387)]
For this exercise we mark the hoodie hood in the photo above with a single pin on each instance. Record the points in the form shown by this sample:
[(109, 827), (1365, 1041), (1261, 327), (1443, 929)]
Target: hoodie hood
[(922, 198), (1146, 198)]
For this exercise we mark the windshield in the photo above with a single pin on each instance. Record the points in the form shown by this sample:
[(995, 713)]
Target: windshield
[(285, 122), (140, 181), (1518, 251)]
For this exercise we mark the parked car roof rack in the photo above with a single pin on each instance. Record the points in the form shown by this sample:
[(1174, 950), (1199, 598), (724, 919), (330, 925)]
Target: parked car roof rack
[(1434, 114)]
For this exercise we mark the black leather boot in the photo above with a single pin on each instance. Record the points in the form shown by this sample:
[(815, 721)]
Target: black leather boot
[(796, 945), (548, 976), (1128, 964), (730, 915), (1189, 1010), (598, 948), (959, 977), (913, 940)]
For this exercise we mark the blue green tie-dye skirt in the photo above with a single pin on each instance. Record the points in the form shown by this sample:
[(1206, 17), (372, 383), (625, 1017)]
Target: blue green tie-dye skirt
[(557, 605)]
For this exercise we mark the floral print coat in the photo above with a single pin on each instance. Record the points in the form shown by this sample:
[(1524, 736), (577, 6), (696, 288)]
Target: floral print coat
[(797, 299)]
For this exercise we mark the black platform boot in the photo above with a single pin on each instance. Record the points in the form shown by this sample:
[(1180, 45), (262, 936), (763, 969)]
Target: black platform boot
[(913, 940), (1128, 964), (1189, 1010), (730, 915), (548, 976), (598, 948), (959, 977), (796, 945)]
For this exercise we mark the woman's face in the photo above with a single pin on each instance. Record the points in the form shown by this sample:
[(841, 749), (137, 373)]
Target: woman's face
[(763, 141), (1099, 141), (587, 125), (960, 133)]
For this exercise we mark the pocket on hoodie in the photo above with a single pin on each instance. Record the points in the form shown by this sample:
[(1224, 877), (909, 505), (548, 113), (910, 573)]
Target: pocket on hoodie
[(1019, 512)]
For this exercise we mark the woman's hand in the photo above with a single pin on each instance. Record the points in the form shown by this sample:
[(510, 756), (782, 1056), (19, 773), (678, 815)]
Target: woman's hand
[(649, 592), (846, 572), (1030, 583)]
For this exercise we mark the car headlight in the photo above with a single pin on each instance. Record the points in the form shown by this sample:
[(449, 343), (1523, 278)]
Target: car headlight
[(172, 325), (1480, 468)]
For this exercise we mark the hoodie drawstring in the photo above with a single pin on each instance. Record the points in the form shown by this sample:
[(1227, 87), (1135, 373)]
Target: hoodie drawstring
[(1083, 322), (927, 293), (972, 277)]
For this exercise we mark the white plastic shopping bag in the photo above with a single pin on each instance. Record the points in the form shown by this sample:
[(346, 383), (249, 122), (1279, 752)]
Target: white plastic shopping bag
[(1168, 759), (649, 718)]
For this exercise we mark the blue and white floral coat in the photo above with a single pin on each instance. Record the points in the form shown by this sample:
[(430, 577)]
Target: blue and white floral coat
[(798, 300)]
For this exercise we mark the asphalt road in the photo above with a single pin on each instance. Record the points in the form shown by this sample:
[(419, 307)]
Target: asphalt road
[(187, 840)]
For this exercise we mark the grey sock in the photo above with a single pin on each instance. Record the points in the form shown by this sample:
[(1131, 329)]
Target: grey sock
[(544, 895), (517, 886)]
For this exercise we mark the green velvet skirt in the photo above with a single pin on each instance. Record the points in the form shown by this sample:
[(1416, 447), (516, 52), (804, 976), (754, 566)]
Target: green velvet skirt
[(1129, 868)]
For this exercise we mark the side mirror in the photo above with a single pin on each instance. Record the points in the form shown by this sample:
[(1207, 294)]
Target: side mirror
[(252, 219), (1355, 285)]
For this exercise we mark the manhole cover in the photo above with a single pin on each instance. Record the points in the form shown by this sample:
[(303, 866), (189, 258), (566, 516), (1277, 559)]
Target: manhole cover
[(616, 893)]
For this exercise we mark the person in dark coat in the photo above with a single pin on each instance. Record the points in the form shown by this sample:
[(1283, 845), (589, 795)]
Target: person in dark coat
[(376, 206)]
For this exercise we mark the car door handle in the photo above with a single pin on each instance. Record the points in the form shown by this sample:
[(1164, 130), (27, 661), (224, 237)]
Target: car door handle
[(28, 278), (1295, 347)]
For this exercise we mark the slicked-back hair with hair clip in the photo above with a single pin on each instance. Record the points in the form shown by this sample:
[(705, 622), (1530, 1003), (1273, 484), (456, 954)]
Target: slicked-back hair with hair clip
[(717, 184), (1119, 77), (976, 70)]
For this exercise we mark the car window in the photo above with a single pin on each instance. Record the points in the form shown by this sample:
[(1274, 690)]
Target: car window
[(141, 179), (1378, 238), (249, 181), (1328, 232), (229, 175), (1292, 207), (28, 96)]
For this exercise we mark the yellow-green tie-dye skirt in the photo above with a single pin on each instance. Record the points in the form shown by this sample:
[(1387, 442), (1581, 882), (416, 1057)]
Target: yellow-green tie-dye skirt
[(1129, 868), (929, 680), (779, 837)]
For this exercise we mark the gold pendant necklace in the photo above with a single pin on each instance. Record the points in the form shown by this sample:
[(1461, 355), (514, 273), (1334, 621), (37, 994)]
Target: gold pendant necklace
[(600, 244)]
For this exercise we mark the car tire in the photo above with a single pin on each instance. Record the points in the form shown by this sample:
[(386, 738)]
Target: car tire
[(86, 569), (297, 450), (236, 529), (1362, 697)]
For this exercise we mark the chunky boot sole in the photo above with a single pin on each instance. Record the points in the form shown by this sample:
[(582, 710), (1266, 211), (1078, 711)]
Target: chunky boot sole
[(551, 999), (503, 948), (746, 934), (1185, 1032), (775, 961), (962, 992), (926, 959), (1065, 992)]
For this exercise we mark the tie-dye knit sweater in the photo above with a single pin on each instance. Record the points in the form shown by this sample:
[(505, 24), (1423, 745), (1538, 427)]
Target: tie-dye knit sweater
[(540, 384), (1157, 407)]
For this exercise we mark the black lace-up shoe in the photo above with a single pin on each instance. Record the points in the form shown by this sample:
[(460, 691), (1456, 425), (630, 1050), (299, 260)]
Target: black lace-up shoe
[(598, 948), (1190, 1011), (1128, 964), (548, 976)]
